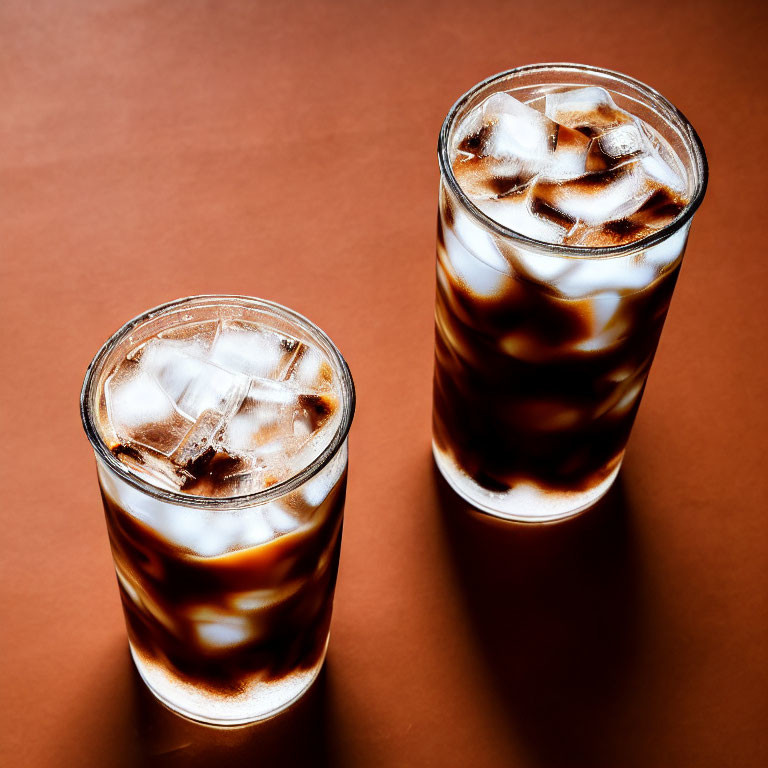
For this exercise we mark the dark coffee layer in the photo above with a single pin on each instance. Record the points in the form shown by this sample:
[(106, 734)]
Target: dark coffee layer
[(524, 391), (181, 609)]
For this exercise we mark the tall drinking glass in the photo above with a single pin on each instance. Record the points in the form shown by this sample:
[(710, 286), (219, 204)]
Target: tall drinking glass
[(566, 198)]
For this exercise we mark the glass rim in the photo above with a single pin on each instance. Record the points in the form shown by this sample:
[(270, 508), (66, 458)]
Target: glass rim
[(578, 251), (271, 493)]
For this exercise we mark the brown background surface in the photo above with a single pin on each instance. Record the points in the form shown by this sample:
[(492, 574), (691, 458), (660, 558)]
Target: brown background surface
[(150, 150)]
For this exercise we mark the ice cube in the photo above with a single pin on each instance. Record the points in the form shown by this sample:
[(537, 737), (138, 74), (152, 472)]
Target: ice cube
[(213, 534), (506, 144), (200, 437), (250, 350), (213, 389), (141, 412), (475, 275), (301, 452), (605, 323), (266, 413), (316, 490), (309, 371), (135, 502), (661, 163), (255, 528), (278, 428), (660, 171), (474, 258), (668, 251), (616, 146), (540, 267), (193, 383), (199, 531), (588, 277), (174, 363), (314, 409), (168, 399), (569, 158), (302, 425), (280, 519), (217, 630), (517, 215), (304, 502), (594, 198), (296, 352), (515, 131), (152, 465), (589, 110), (187, 528)]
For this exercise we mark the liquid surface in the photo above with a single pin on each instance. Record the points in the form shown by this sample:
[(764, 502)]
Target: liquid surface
[(219, 408), (581, 172)]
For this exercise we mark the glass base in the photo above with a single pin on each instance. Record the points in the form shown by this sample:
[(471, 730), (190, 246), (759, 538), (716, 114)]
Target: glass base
[(256, 701), (526, 502)]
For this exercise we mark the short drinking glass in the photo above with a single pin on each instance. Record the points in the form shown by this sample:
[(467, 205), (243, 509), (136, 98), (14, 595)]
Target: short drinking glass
[(220, 425)]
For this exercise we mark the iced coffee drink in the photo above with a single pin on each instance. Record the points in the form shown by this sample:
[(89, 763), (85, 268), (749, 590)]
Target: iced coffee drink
[(566, 198), (220, 431)]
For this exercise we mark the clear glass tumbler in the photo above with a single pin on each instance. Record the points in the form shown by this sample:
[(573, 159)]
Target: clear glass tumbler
[(227, 595), (543, 350)]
